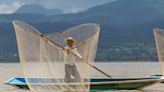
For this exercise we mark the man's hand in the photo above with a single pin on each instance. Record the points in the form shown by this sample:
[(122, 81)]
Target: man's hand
[(43, 37)]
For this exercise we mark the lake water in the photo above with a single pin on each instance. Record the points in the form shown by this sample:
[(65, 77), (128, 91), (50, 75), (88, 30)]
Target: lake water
[(115, 69)]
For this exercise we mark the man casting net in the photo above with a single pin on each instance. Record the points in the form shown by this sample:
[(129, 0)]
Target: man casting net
[(60, 61)]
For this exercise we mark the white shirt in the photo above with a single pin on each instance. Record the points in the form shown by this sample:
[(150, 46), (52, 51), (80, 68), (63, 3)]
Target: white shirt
[(69, 58)]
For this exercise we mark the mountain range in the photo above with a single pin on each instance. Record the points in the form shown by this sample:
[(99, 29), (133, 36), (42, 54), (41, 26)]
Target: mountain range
[(126, 27), (37, 9)]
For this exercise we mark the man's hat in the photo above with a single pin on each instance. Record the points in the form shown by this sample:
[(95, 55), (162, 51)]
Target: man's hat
[(69, 39)]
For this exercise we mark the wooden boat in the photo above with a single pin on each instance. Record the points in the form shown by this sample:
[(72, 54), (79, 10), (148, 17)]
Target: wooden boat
[(96, 84)]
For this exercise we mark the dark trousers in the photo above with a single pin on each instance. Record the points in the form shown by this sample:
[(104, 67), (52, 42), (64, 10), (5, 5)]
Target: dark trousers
[(71, 70)]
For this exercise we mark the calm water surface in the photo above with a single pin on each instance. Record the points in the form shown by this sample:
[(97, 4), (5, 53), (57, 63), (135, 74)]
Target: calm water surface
[(116, 69)]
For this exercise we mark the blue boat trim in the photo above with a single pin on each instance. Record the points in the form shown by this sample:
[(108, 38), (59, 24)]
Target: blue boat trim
[(16, 80)]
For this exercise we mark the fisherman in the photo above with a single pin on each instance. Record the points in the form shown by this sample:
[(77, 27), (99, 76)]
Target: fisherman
[(70, 59)]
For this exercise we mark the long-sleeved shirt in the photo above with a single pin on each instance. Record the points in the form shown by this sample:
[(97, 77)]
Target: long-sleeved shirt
[(69, 58)]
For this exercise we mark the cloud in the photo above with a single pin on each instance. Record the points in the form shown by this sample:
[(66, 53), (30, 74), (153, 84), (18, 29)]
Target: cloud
[(9, 8)]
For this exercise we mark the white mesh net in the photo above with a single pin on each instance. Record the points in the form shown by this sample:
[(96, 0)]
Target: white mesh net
[(159, 39), (51, 59)]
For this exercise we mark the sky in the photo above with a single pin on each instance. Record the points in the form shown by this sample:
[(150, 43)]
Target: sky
[(9, 6)]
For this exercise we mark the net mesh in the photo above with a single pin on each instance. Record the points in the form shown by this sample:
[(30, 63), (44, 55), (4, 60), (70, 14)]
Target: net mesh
[(159, 39), (49, 63)]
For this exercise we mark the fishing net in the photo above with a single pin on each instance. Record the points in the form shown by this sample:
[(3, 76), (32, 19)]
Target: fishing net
[(159, 38), (48, 63)]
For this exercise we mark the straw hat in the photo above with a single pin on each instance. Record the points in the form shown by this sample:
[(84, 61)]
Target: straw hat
[(69, 39)]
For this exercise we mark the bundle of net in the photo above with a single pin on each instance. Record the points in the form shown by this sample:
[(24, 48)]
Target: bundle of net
[(159, 39)]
